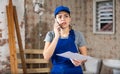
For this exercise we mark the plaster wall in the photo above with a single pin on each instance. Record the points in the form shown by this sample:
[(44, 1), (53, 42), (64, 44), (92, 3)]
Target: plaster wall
[(4, 45)]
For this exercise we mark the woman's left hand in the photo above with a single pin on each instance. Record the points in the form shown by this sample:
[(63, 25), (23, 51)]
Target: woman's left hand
[(78, 62)]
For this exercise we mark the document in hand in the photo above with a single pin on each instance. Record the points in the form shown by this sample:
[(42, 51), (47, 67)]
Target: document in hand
[(75, 56)]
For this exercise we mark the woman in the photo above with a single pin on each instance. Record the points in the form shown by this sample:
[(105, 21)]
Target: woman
[(61, 40)]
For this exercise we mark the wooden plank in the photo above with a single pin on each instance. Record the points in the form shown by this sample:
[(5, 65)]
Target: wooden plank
[(36, 70), (33, 51), (34, 61), (11, 38), (19, 41)]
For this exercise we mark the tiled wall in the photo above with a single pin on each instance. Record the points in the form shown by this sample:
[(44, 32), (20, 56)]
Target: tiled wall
[(4, 45)]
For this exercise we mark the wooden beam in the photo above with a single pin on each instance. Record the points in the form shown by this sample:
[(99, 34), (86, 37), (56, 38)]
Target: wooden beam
[(19, 41), (36, 70), (11, 39), (34, 51), (38, 60)]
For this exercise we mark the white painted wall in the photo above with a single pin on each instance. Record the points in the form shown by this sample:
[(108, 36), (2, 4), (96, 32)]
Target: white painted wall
[(4, 49)]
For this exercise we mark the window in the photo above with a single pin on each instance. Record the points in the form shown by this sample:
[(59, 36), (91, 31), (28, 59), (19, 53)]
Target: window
[(103, 16)]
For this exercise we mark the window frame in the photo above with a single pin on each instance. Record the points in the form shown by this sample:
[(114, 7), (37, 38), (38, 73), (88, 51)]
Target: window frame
[(101, 25)]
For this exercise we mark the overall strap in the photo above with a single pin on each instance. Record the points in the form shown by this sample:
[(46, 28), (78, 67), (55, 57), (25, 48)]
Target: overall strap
[(72, 34)]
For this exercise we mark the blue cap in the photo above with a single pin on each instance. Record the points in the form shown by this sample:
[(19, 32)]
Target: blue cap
[(61, 8)]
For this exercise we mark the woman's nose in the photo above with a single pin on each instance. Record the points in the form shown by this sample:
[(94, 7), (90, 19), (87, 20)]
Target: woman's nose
[(63, 18)]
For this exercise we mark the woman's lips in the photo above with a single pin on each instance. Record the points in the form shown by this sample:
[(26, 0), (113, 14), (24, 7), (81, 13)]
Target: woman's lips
[(63, 23)]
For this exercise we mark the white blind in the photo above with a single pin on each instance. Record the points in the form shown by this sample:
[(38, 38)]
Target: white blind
[(104, 15)]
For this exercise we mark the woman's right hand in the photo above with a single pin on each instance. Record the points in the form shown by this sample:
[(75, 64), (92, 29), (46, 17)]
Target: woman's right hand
[(77, 62), (57, 29)]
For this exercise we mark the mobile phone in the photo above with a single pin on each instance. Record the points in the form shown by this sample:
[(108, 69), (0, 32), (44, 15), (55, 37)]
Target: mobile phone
[(59, 25)]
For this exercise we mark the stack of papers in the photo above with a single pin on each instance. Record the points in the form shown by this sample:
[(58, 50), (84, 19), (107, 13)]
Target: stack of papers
[(75, 56)]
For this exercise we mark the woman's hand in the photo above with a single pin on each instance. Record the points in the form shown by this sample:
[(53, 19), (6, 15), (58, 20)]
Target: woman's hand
[(57, 29), (77, 62)]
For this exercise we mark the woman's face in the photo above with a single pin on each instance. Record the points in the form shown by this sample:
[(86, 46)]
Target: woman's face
[(63, 18)]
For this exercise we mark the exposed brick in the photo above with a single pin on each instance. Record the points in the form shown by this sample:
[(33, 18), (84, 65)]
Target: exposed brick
[(0, 22), (0, 35), (0, 30), (3, 41)]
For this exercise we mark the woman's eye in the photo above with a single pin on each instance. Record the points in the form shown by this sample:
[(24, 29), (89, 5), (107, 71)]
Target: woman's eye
[(60, 17), (66, 16)]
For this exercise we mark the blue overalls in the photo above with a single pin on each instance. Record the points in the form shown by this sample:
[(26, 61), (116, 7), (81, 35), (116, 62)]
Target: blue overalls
[(63, 65)]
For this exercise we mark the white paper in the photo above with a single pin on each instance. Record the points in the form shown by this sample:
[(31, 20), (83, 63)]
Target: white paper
[(75, 56)]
